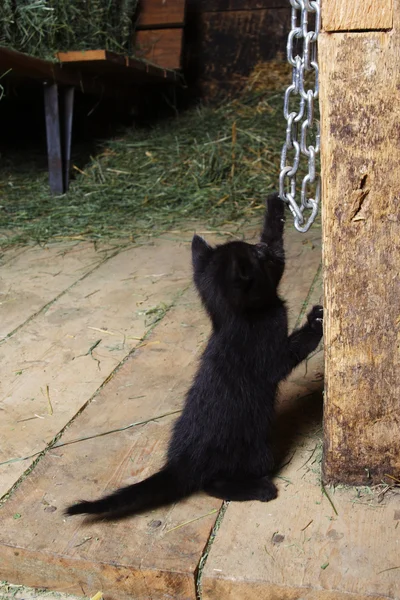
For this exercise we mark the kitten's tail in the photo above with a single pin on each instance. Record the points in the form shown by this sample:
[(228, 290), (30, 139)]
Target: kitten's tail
[(161, 488)]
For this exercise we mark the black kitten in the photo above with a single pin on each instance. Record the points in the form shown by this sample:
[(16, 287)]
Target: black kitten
[(221, 442)]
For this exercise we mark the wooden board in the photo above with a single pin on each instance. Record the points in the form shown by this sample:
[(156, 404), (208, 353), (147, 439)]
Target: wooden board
[(53, 349), (161, 13), (90, 55), (162, 47), (154, 554), (39, 275), (360, 109), (23, 66), (29, 66), (345, 15), (115, 66), (296, 547)]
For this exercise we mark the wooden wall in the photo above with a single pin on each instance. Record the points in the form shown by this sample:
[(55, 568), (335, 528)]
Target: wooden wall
[(224, 40)]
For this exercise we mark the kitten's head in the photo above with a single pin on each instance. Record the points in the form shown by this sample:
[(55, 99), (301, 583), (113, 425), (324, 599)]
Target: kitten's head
[(235, 277)]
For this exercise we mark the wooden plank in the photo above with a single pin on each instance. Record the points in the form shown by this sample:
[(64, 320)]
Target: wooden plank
[(22, 65), (29, 66), (100, 76), (296, 547), (158, 552), (122, 68), (360, 111), (231, 590), (343, 15), (161, 13), (162, 47), (34, 278), (54, 348), (90, 55)]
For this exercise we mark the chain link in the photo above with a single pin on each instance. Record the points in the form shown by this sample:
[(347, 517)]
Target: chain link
[(301, 124)]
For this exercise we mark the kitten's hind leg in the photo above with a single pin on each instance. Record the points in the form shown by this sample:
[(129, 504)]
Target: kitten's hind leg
[(241, 490)]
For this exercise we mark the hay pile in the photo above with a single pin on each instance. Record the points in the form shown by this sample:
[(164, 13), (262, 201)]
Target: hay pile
[(43, 27), (215, 165)]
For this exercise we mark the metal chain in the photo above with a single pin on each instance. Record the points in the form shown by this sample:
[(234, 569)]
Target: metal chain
[(302, 55)]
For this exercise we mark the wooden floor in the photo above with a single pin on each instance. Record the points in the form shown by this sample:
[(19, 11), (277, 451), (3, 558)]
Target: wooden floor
[(94, 339)]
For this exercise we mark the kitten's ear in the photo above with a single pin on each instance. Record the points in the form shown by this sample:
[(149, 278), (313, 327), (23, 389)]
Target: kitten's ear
[(201, 252)]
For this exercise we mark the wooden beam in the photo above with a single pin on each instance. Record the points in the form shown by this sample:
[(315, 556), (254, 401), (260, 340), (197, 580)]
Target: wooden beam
[(98, 72), (123, 68), (162, 47), (156, 554), (161, 13), (360, 116), (29, 66), (90, 55), (353, 15), (22, 65)]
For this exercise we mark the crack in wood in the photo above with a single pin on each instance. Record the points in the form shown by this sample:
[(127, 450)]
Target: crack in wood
[(357, 199)]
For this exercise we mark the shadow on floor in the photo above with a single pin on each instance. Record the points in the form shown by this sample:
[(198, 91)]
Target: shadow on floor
[(297, 418)]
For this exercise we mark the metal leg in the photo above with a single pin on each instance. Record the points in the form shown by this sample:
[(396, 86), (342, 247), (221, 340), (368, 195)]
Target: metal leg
[(68, 110), (59, 134), (53, 138)]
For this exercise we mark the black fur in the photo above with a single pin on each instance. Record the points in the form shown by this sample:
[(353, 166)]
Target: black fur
[(221, 441)]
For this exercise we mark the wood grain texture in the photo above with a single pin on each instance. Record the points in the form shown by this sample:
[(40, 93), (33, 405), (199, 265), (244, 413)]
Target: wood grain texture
[(89, 55), (152, 555), (116, 67), (245, 590), (52, 348), (38, 276), (296, 547), (163, 47), (156, 554), (352, 15), (105, 78), (360, 110), (161, 13)]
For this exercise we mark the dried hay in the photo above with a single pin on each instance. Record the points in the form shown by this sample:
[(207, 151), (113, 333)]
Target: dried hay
[(214, 164)]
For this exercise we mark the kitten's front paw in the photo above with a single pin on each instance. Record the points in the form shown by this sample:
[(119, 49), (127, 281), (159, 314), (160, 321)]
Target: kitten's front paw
[(315, 319), (276, 207)]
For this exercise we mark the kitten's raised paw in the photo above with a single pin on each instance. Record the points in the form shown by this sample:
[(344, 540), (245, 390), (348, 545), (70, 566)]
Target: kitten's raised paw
[(276, 207), (315, 319)]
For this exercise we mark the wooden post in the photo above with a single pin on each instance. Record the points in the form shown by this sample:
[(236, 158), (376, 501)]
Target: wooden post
[(54, 152), (359, 54)]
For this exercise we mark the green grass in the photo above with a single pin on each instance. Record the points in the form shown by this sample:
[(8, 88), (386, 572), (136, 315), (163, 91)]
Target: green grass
[(43, 27), (211, 164)]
